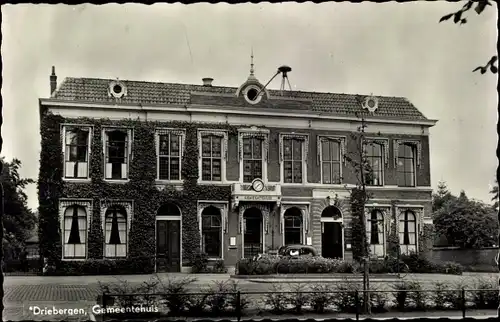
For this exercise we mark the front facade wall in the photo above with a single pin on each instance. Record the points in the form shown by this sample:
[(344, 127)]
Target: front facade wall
[(143, 195)]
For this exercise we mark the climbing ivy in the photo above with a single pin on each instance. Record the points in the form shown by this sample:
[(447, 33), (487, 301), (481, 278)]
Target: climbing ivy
[(141, 188), (358, 200)]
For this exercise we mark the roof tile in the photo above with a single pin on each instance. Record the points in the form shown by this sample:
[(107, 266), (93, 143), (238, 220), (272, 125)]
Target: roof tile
[(138, 92)]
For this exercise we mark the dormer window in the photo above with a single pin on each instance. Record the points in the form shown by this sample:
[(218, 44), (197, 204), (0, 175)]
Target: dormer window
[(117, 89), (252, 94)]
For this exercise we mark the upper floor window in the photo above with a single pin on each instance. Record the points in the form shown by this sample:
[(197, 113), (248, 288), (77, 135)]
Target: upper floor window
[(375, 233), (75, 232), (211, 157), (406, 165), (76, 152), (293, 160), (375, 159), (253, 158), (407, 232), (115, 232), (169, 162), (117, 152), (331, 164)]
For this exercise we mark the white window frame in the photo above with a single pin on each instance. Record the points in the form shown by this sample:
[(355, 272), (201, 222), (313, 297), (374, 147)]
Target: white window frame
[(401, 213), (244, 133), (384, 150), (304, 138), (170, 131), (368, 230), (130, 138), (64, 204), (222, 206), (417, 157), (64, 130), (342, 143), (224, 142), (128, 205)]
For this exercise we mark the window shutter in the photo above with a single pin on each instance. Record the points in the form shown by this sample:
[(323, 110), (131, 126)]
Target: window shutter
[(70, 169), (124, 171), (108, 170), (82, 169)]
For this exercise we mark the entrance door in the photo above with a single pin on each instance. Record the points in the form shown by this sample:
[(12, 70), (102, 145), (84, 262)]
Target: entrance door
[(168, 246), (252, 239), (331, 240)]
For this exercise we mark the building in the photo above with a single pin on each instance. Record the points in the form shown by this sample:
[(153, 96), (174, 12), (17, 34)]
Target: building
[(162, 170)]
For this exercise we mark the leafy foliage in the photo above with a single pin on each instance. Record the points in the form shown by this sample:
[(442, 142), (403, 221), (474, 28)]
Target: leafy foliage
[(495, 198), (458, 17), (18, 219), (141, 187), (467, 223)]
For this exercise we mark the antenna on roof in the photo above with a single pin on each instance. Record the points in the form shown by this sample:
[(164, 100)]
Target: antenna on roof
[(284, 70)]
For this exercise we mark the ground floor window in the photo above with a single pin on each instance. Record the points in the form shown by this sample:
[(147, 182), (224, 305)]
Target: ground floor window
[(75, 232), (407, 232), (293, 227), (211, 232), (375, 233), (115, 232)]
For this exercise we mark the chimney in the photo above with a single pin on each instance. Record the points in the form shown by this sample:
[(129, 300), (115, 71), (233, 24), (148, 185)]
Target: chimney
[(53, 81), (207, 81)]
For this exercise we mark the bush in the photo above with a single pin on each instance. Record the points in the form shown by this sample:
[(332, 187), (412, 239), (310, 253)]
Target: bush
[(438, 297), (378, 301), (219, 267), (418, 263), (298, 298), (123, 288), (453, 296), (344, 298), (321, 297), (285, 265), (417, 297), (200, 263), (174, 294), (131, 265), (277, 300), (400, 294), (486, 294)]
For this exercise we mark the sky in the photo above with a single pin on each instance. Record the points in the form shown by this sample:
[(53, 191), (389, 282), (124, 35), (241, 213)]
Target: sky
[(388, 49)]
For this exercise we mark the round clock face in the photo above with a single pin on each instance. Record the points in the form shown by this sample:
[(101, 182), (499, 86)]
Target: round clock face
[(258, 185), (371, 103)]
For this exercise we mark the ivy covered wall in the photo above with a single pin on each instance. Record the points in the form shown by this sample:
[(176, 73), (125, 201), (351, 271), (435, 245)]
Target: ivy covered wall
[(141, 188)]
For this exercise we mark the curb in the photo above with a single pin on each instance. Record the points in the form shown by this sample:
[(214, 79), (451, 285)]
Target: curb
[(317, 280), (315, 277)]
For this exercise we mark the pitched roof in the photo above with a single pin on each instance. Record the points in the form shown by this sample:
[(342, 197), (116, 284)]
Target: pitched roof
[(95, 90)]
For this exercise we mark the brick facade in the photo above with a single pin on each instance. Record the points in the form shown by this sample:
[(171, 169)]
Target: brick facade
[(311, 197)]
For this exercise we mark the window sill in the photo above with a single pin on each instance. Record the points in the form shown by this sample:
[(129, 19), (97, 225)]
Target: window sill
[(114, 258), (74, 259), (119, 181), (216, 183), (158, 181), (77, 180)]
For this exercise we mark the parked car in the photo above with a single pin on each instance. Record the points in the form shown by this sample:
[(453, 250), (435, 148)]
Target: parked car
[(297, 250)]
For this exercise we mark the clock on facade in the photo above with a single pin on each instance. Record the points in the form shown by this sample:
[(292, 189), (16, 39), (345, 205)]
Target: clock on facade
[(258, 185)]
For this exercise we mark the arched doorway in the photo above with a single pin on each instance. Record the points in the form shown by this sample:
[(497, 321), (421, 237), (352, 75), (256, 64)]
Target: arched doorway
[(168, 238), (332, 233), (253, 232)]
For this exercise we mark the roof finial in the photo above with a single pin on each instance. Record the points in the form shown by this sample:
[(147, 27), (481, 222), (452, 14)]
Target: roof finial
[(251, 63)]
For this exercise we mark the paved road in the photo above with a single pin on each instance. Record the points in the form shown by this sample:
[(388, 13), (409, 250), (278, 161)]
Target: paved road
[(21, 292)]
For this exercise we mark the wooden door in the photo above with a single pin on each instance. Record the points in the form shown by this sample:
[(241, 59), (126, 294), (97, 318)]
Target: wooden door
[(168, 246), (331, 240)]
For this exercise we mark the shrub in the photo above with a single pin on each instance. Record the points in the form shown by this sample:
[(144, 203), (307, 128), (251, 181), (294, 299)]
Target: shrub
[(277, 300), (438, 297), (321, 297), (200, 263), (123, 288), (453, 296), (378, 300), (219, 267), (400, 294), (417, 297), (417, 263), (449, 268), (298, 298), (175, 296), (486, 295), (218, 299), (344, 297)]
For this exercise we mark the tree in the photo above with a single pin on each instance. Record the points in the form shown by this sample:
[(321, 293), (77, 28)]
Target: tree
[(467, 223), (458, 17), (495, 198), (18, 219), (442, 196), (361, 166)]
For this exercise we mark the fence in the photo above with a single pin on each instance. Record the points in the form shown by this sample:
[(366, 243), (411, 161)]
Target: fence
[(236, 304)]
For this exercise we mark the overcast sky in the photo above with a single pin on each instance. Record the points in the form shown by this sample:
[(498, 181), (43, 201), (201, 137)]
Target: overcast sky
[(394, 49)]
